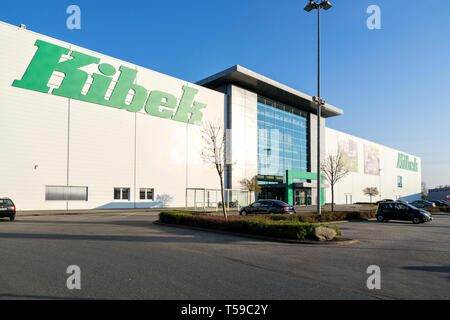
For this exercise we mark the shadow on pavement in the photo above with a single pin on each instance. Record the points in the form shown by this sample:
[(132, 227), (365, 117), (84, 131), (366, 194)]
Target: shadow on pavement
[(441, 269), (444, 269), (124, 223), (174, 234), (184, 238), (36, 297)]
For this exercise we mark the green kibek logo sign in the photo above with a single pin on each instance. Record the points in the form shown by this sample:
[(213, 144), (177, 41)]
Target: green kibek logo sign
[(47, 60), (404, 163)]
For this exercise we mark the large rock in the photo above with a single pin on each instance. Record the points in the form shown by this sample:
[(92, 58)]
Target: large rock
[(324, 234)]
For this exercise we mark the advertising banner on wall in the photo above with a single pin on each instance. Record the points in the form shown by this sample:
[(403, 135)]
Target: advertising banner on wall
[(371, 160), (349, 150)]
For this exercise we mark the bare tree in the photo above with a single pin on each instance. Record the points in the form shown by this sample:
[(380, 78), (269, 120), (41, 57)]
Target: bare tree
[(334, 169), (164, 199), (213, 153), (424, 191), (250, 185), (371, 192)]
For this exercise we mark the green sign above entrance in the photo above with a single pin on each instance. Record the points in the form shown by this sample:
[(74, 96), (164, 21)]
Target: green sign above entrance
[(47, 60), (266, 178), (291, 175), (403, 162)]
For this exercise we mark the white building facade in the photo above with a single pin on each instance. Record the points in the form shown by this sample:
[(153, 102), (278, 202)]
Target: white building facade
[(373, 165), (97, 156), (81, 130)]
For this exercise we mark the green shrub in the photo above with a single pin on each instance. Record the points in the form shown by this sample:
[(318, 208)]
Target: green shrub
[(336, 229), (325, 217), (256, 225), (173, 216)]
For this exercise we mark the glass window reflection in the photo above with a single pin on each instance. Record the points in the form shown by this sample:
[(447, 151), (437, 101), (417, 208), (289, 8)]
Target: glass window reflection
[(282, 138)]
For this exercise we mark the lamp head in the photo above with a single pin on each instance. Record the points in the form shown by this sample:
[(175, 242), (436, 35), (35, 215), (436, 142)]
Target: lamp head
[(311, 5), (325, 5)]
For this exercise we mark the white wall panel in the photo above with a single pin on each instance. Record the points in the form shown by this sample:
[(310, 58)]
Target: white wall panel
[(244, 135), (32, 128), (101, 152), (95, 146), (386, 181)]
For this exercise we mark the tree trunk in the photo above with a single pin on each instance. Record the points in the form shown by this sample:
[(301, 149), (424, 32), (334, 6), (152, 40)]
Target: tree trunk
[(332, 198), (223, 198)]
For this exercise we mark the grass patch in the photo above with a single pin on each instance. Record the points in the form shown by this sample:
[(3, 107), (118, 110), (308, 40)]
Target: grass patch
[(263, 225)]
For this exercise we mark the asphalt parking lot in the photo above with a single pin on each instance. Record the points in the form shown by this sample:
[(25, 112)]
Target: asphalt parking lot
[(125, 256)]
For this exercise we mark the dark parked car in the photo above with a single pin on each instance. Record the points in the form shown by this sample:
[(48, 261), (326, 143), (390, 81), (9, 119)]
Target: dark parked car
[(422, 204), (441, 203), (7, 209), (267, 207), (402, 211), (384, 200)]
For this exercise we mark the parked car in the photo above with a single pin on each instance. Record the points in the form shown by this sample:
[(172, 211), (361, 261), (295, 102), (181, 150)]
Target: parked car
[(7, 209), (267, 207), (402, 211), (422, 204), (442, 203), (384, 200), (230, 204)]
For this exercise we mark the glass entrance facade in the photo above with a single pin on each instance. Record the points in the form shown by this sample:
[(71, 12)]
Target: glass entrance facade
[(283, 140)]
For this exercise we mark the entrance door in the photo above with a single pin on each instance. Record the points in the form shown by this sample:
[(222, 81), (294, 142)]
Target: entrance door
[(272, 192), (348, 199), (302, 197)]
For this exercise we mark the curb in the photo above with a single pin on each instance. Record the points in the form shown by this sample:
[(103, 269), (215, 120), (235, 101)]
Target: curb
[(344, 221), (71, 213), (342, 241), (442, 213)]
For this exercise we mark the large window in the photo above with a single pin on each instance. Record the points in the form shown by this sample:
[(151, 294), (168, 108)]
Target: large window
[(282, 138), (121, 193), (66, 193), (146, 194), (400, 182)]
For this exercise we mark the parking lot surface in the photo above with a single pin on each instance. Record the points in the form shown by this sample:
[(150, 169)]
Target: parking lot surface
[(125, 256)]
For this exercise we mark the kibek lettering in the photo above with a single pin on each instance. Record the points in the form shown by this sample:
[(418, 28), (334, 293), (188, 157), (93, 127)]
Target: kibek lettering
[(47, 60), (404, 163)]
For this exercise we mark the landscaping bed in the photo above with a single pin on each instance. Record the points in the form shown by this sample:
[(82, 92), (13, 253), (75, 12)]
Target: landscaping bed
[(260, 225), (366, 204), (437, 209), (326, 216)]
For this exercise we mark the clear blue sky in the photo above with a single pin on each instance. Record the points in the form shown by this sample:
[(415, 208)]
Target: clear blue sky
[(393, 84)]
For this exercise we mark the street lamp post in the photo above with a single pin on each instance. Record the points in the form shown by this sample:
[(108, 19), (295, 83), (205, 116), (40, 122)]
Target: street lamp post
[(325, 4)]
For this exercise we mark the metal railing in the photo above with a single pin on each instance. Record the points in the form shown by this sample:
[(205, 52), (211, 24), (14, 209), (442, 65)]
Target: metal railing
[(210, 199)]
